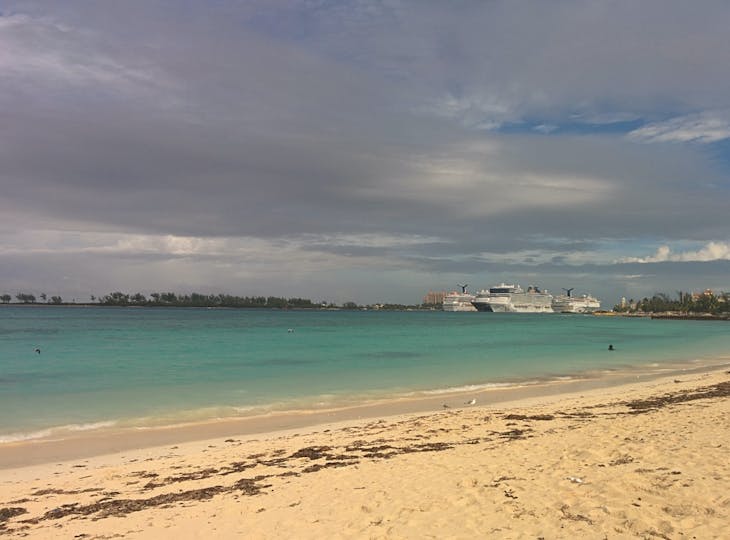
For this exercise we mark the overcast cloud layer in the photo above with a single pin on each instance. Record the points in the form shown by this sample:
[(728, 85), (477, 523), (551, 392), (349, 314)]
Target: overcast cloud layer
[(364, 150)]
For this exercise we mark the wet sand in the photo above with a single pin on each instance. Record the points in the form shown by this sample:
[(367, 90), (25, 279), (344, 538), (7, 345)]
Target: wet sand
[(649, 458)]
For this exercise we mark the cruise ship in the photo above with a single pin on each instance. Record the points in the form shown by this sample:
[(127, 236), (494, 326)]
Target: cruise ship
[(567, 303), (513, 299), (459, 301)]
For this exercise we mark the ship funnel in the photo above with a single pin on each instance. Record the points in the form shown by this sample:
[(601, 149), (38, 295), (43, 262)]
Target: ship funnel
[(463, 287), (567, 291)]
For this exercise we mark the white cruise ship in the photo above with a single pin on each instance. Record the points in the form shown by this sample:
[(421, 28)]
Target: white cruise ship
[(459, 301), (513, 299), (567, 303)]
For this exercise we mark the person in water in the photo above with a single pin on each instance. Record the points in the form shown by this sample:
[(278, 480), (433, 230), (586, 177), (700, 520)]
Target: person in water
[(610, 347)]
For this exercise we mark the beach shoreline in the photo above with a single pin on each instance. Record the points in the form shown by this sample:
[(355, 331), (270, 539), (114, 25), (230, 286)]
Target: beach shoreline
[(117, 379), (644, 458), (78, 444)]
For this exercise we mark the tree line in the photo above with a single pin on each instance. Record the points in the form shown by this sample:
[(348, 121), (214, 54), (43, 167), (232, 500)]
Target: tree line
[(707, 302), (204, 300), (25, 298), (171, 299)]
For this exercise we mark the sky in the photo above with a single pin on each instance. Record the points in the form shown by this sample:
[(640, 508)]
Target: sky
[(365, 151)]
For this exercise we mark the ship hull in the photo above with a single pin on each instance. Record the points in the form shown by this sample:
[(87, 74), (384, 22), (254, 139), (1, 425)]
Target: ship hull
[(462, 306), (513, 299), (586, 304), (540, 304), (485, 306), (458, 302)]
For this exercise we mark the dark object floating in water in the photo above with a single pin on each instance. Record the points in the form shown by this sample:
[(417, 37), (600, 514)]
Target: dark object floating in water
[(38, 350), (610, 348)]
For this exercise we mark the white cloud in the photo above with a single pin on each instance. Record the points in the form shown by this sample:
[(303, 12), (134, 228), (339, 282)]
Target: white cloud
[(603, 118), (701, 128), (480, 111), (38, 53), (535, 257), (480, 179), (368, 240), (241, 249), (545, 128), (712, 251)]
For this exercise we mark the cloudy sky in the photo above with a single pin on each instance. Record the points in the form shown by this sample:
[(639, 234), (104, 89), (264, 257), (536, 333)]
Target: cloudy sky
[(364, 150)]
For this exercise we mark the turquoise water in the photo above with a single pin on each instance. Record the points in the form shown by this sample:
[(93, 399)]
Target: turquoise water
[(131, 366)]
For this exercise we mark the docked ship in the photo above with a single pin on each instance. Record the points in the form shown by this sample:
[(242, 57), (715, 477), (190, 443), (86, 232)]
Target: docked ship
[(567, 303), (459, 301), (513, 299)]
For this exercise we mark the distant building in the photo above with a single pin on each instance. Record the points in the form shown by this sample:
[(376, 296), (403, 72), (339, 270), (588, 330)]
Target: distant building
[(706, 292), (623, 302), (434, 297)]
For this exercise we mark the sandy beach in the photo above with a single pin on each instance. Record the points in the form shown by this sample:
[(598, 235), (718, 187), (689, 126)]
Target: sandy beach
[(647, 459)]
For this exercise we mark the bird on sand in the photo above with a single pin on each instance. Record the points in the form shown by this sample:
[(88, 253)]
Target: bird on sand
[(471, 402)]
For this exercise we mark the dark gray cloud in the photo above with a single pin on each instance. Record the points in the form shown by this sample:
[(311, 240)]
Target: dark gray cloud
[(319, 144)]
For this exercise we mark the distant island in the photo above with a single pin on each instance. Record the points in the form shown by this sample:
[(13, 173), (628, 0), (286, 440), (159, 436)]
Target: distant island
[(170, 299)]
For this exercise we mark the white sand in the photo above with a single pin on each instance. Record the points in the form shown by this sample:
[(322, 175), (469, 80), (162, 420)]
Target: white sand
[(568, 466)]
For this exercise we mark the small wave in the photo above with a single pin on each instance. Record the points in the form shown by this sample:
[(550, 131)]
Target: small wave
[(25, 436), (89, 426), (467, 388), (493, 386), (183, 417), (248, 409), (49, 432)]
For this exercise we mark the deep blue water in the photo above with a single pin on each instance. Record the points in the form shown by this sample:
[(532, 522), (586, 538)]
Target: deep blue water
[(153, 366)]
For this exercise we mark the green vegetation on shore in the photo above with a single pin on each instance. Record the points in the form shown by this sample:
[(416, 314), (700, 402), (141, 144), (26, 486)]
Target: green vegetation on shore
[(170, 299), (685, 303)]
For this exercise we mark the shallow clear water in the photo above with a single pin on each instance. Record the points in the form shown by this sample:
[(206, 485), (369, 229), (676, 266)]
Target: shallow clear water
[(158, 366)]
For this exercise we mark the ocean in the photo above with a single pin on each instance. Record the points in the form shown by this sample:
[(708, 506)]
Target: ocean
[(143, 367)]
